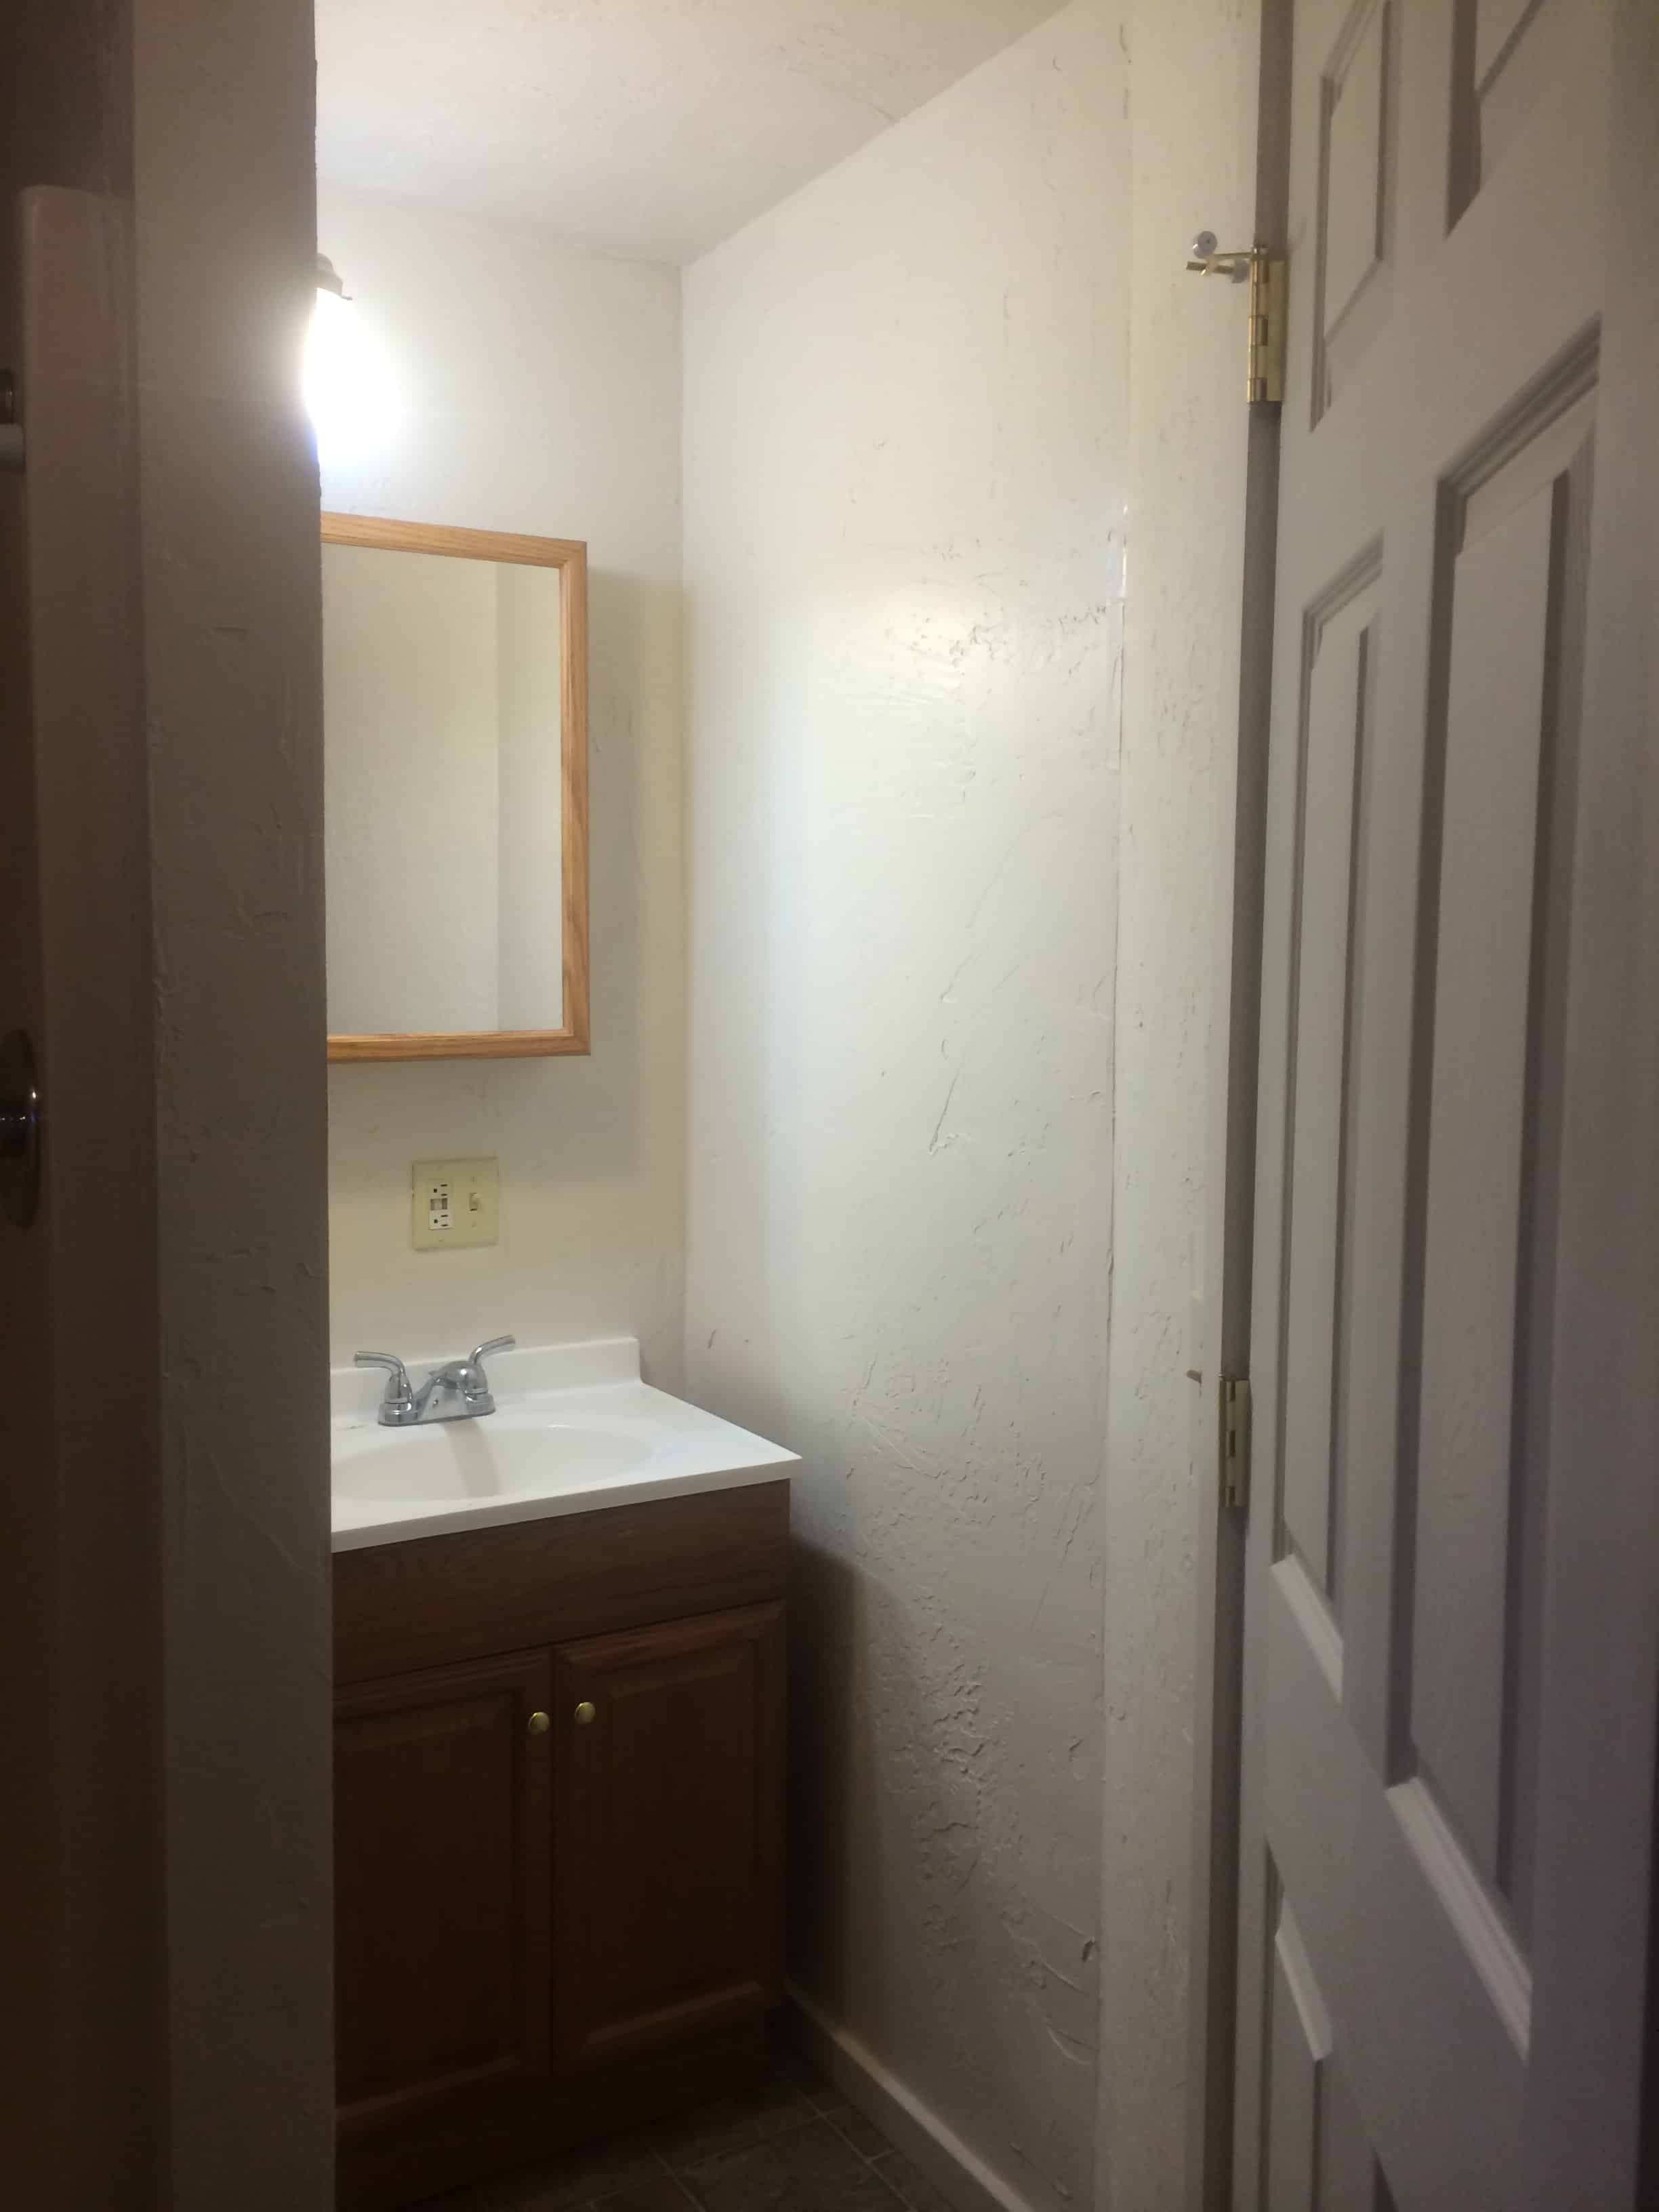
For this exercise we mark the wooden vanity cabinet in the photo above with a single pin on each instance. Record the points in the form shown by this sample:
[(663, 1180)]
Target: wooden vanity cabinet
[(667, 1839), (559, 1852), (443, 1891)]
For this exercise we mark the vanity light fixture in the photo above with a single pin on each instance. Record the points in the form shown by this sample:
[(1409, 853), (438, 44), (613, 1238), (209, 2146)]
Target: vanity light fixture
[(347, 389)]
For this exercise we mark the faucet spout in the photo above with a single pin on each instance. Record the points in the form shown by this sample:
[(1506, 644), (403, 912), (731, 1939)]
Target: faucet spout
[(458, 1391)]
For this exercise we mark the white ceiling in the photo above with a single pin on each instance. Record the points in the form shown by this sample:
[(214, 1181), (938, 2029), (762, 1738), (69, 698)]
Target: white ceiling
[(652, 128)]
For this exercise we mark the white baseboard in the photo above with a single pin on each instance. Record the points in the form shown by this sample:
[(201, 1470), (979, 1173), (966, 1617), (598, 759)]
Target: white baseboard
[(910, 2126)]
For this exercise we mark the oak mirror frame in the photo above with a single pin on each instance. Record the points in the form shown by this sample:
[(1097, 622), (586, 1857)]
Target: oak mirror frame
[(568, 558)]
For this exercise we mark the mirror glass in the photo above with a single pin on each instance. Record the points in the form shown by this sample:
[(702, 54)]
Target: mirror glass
[(447, 697)]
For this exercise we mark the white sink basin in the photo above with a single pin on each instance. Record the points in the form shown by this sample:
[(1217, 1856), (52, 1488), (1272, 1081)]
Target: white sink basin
[(574, 1429), (499, 1456)]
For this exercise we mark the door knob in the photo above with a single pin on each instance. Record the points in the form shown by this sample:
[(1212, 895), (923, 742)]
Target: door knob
[(539, 1723), (585, 1714)]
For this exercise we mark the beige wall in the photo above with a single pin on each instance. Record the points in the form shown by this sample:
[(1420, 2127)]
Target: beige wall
[(906, 449), (539, 391), (223, 103), (857, 1281)]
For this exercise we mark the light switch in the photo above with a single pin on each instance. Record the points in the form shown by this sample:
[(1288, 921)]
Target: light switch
[(455, 1203)]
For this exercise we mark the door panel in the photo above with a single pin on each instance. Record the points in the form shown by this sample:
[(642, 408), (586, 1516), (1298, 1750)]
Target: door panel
[(1342, 649), (442, 1822), (1298, 2041), (668, 1900), (1358, 99), (1318, 2156), (1502, 70), (1502, 776), (1436, 508)]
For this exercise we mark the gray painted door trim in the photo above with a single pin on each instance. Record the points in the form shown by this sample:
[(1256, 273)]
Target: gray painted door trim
[(1219, 1548)]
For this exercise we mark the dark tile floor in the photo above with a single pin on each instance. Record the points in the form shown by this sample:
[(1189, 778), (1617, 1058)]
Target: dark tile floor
[(794, 2145)]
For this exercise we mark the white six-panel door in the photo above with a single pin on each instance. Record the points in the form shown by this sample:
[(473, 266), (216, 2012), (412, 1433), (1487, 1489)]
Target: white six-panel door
[(1447, 278)]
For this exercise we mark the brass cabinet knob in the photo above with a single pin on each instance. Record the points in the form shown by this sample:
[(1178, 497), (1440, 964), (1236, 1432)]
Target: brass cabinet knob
[(539, 1724), (585, 1714)]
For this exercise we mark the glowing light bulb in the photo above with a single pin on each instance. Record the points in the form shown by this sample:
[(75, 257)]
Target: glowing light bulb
[(349, 389)]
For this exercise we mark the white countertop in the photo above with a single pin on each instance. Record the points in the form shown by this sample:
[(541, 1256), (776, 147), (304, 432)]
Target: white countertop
[(575, 1430)]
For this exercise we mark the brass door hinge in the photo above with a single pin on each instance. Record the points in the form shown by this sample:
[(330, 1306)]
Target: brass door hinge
[(1265, 272), (1267, 363), (1235, 1442)]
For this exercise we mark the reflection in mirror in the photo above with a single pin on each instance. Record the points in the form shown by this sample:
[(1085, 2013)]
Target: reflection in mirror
[(453, 691)]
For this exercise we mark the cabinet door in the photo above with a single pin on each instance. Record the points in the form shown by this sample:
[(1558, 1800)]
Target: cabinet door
[(442, 1827), (668, 1832)]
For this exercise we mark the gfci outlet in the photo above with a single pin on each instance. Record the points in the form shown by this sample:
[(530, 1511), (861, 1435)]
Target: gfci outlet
[(455, 1202)]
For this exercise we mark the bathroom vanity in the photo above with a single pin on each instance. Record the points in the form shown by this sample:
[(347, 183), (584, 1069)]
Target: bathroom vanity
[(559, 1693)]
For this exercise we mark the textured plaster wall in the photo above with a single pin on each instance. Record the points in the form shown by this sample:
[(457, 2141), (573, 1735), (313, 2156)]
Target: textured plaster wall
[(539, 389), (906, 465), (223, 95), (1192, 68)]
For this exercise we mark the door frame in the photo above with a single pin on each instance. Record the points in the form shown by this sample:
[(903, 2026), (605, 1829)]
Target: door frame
[(1603, 2029), (1229, 1232), (82, 1844), (166, 1528)]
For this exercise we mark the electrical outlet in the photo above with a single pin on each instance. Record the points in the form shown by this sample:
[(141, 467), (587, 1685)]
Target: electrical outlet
[(455, 1203)]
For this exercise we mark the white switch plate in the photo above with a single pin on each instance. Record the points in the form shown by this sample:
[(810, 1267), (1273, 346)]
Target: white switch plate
[(454, 1202)]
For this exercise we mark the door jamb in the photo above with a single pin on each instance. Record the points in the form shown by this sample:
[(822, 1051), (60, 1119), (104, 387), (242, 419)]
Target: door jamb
[(1219, 1547)]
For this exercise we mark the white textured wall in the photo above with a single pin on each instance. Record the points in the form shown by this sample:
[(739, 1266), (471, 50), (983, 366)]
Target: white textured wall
[(540, 392), (1192, 95), (906, 440)]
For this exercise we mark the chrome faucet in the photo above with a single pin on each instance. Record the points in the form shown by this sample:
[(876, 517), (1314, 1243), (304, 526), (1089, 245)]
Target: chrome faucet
[(458, 1391)]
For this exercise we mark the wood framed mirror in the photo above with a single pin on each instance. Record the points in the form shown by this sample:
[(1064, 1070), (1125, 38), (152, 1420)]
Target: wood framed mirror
[(455, 779)]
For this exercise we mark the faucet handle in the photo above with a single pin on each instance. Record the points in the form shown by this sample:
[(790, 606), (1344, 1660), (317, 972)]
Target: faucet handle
[(397, 1392), (385, 1359), (476, 1386)]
